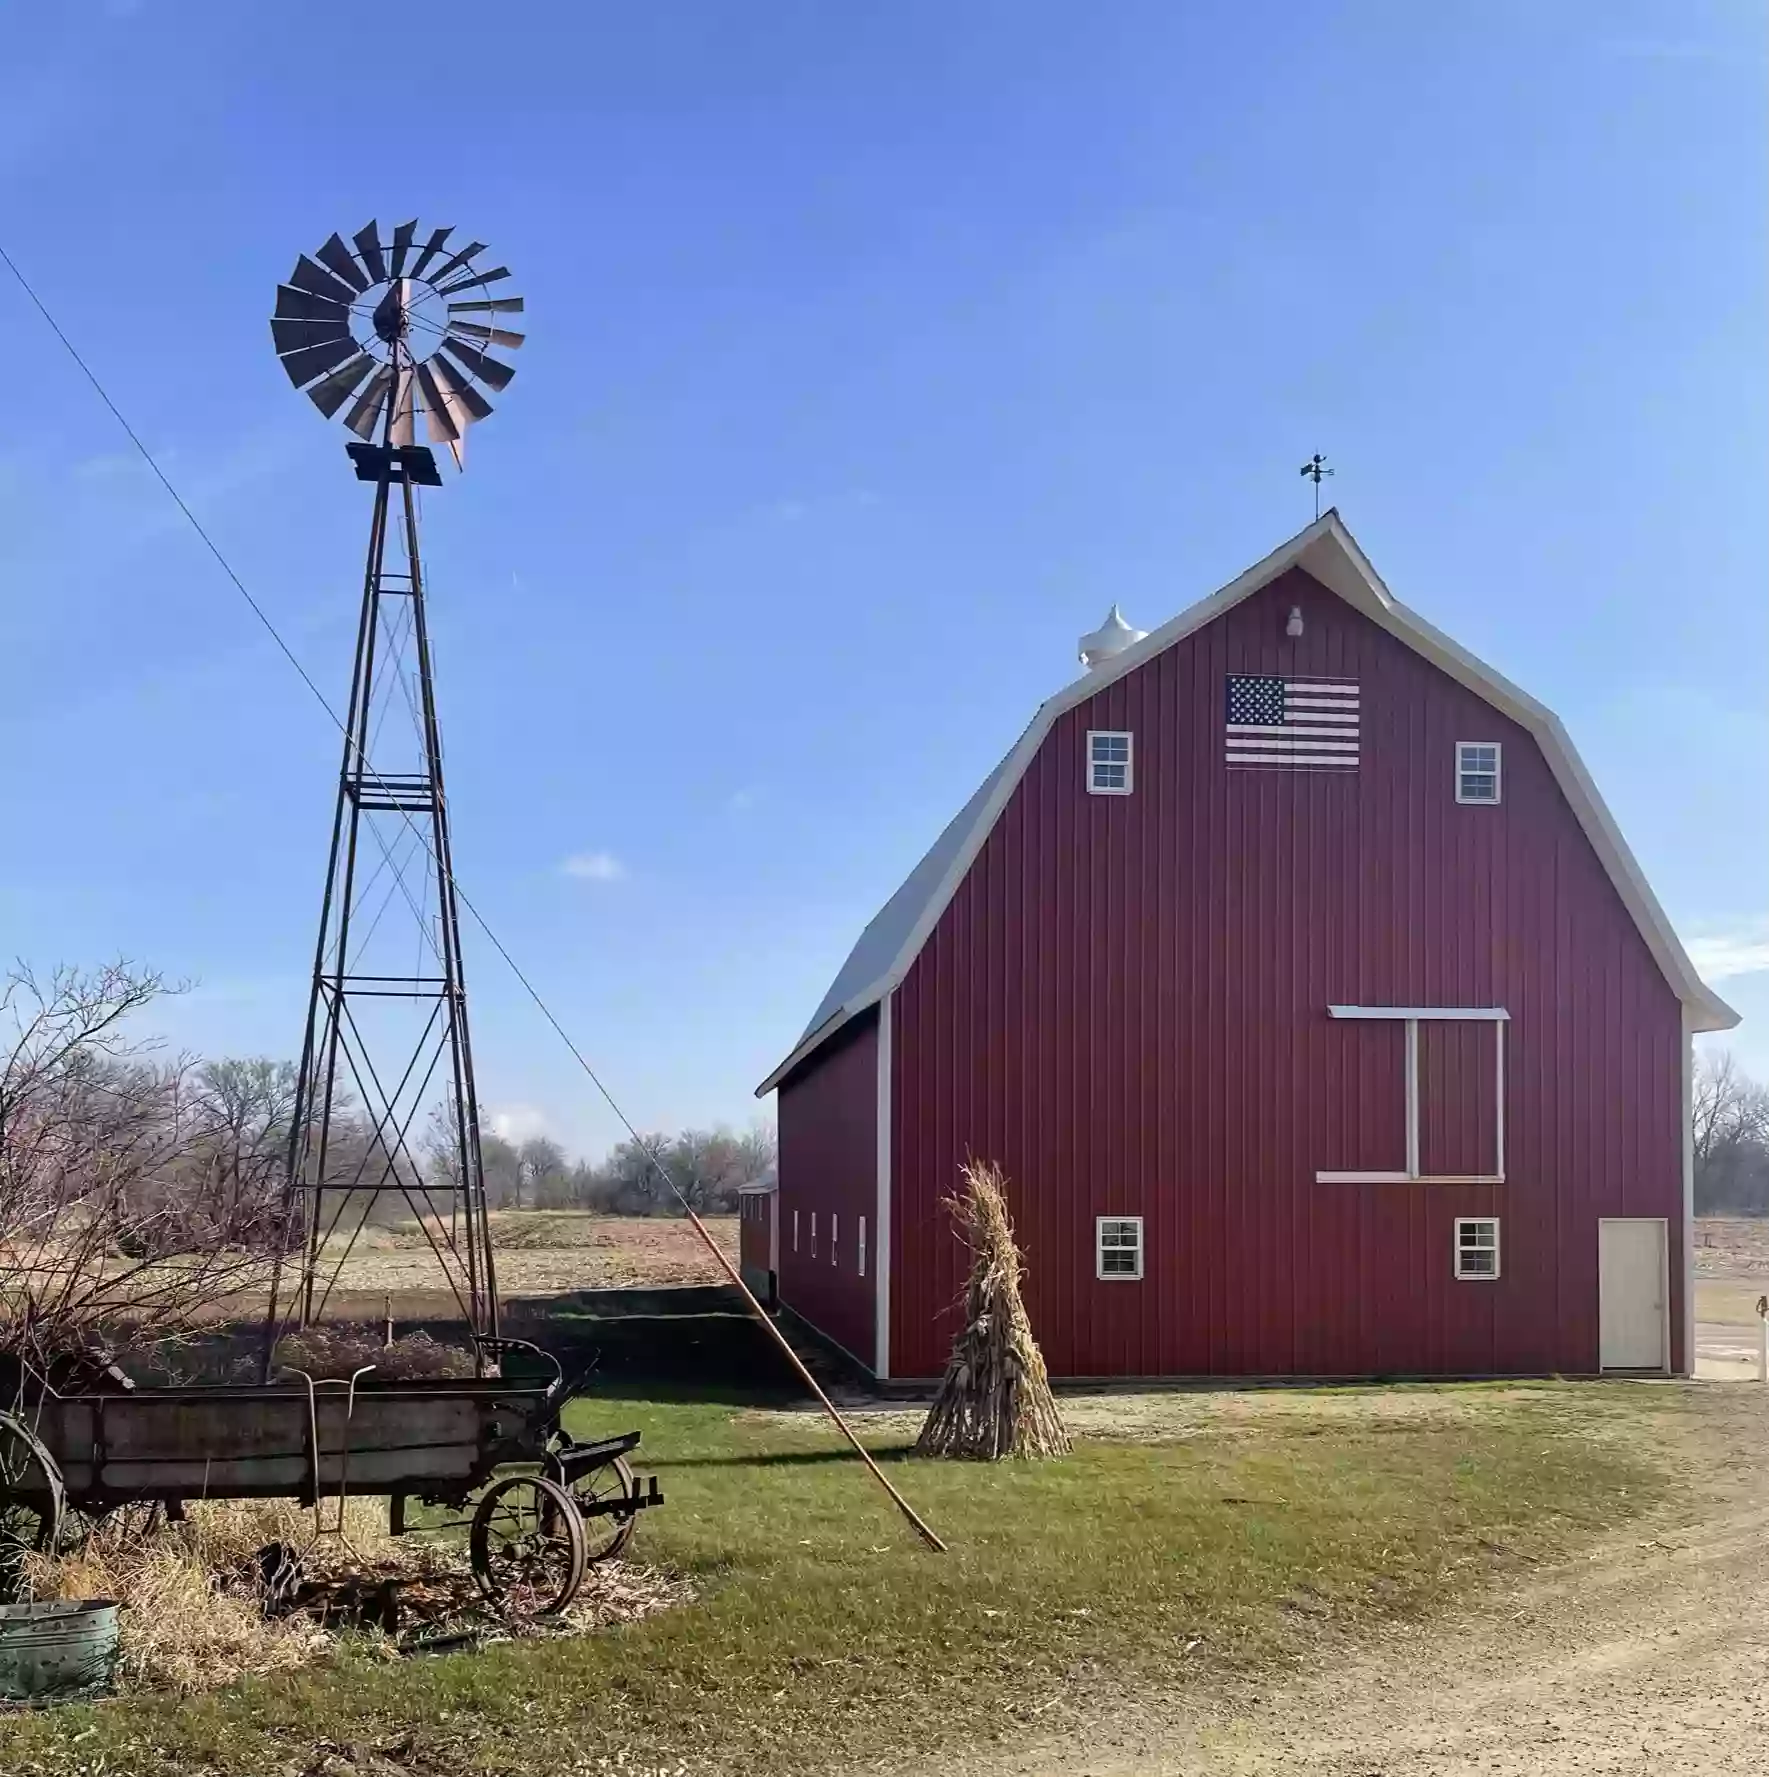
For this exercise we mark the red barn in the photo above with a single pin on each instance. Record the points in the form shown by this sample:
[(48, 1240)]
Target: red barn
[(1293, 970)]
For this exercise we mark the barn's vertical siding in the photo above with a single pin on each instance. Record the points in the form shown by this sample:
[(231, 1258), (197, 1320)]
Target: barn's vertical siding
[(1125, 1004), (828, 1114)]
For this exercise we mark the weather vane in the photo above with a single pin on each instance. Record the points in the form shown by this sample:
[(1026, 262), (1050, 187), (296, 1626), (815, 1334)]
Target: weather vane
[(1316, 467)]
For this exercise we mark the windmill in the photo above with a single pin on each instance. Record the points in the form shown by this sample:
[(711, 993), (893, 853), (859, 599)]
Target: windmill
[(378, 333)]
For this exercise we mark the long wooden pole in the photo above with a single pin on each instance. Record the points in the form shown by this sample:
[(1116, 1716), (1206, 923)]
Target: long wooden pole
[(792, 1357)]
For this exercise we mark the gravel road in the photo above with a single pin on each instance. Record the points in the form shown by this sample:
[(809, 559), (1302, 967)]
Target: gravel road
[(1651, 1654)]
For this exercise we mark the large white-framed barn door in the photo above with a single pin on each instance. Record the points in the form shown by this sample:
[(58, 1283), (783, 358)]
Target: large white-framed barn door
[(1633, 1293)]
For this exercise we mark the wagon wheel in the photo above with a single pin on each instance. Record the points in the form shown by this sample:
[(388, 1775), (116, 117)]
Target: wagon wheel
[(605, 1533), (527, 1546), (31, 1502)]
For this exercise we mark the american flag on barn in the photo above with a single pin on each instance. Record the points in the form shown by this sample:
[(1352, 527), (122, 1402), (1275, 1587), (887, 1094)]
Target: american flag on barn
[(1292, 724)]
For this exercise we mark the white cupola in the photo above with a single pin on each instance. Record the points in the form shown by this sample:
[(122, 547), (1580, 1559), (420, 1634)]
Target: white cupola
[(1112, 637)]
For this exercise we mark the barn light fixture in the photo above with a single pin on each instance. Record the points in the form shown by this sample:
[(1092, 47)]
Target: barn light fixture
[(1294, 626)]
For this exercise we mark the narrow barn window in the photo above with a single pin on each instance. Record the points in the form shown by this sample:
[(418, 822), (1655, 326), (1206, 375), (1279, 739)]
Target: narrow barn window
[(1118, 1247), (1477, 1246), (795, 1230), (835, 1237), (813, 1234), (860, 1266), (1108, 762), (1477, 771)]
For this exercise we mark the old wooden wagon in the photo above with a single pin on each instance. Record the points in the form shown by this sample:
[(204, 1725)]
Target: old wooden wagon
[(542, 1506)]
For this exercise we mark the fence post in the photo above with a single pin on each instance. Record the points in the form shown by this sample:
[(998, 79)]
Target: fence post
[(1763, 1338)]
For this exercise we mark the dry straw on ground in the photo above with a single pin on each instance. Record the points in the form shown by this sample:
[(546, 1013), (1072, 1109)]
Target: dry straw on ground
[(194, 1599), (994, 1399), (193, 1614)]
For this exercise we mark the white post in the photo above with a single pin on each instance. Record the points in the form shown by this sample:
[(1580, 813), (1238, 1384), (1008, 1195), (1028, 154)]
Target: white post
[(1763, 1338)]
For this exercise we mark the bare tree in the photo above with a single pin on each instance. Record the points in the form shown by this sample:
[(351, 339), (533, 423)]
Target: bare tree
[(541, 1166), (1730, 1130), (134, 1193)]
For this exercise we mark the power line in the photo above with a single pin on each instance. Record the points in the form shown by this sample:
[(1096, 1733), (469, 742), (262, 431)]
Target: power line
[(921, 1529), (258, 611)]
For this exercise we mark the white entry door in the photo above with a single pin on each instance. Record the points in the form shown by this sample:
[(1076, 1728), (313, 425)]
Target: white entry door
[(1631, 1294)]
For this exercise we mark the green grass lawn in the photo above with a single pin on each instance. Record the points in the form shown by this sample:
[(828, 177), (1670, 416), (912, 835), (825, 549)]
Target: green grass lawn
[(826, 1634)]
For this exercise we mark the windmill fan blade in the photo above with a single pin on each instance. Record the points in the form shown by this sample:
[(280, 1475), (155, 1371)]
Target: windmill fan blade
[(303, 305), (491, 335), (362, 418), (403, 412), (402, 245), (335, 256), (311, 361), (489, 371), (439, 422), (368, 244), (432, 247), (466, 406), (329, 394), (310, 277), (291, 336), (456, 262), (490, 277), (498, 305)]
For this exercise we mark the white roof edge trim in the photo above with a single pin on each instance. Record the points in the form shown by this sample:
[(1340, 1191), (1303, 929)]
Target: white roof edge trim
[(1327, 550)]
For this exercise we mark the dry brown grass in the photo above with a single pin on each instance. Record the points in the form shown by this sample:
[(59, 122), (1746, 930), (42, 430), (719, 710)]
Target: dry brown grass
[(1732, 1246), (194, 1597), (193, 1615), (546, 1252)]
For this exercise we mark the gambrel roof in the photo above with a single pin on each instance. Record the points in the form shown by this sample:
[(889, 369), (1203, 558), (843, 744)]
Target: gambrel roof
[(1328, 552)]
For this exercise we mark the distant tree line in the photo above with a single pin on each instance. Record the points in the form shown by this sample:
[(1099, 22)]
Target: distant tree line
[(138, 1190), (1731, 1139), (706, 1166)]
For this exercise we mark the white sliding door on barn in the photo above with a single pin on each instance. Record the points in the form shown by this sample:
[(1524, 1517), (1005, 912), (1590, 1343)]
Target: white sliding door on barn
[(1632, 1291)]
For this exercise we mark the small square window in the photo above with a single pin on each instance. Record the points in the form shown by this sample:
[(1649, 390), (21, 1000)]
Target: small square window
[(1477, 771), (1477, 1247), (1109, 763), (1118, 1248)]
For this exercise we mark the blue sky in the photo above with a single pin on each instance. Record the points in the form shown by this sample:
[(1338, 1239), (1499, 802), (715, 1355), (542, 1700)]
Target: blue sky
[(873, 352)]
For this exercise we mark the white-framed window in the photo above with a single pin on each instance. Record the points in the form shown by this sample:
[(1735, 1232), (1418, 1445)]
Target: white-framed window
[(1110, 766), (860, 1249), (1413, 1016), (1117, 1248), (813, 1234), (1477, 1247), (1477, 771), (835, 1237), (795, 1230)]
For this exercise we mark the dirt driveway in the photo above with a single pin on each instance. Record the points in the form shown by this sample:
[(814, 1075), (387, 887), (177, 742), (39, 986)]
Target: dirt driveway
[(1649, 1655)]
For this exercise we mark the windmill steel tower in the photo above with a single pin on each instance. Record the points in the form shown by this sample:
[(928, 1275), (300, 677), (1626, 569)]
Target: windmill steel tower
[(386, 1100)]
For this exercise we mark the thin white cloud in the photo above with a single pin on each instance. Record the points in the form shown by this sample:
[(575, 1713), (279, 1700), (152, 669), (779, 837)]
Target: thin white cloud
[(594, 866), (517, 1122), (740, 801), (1722, 954)]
